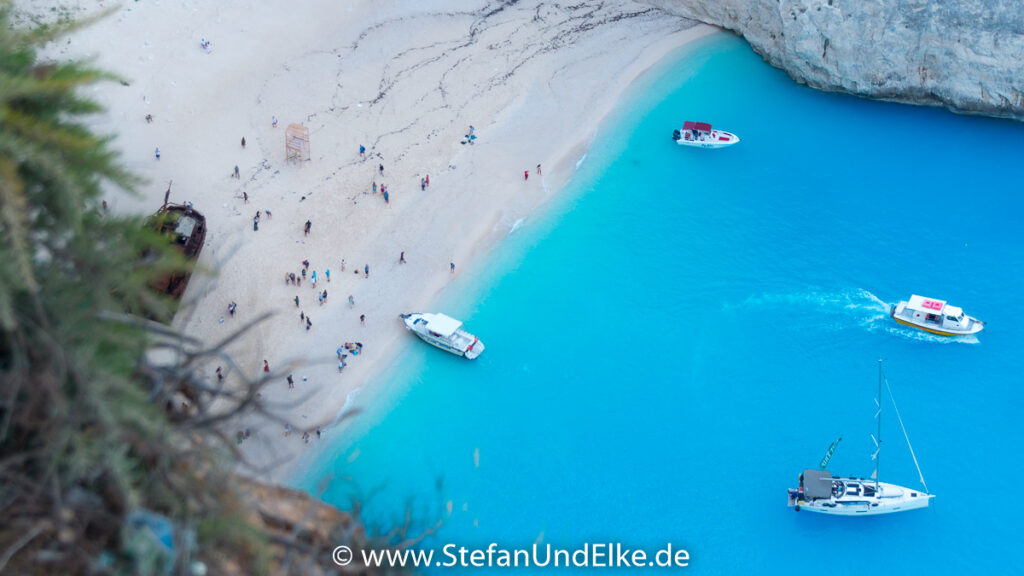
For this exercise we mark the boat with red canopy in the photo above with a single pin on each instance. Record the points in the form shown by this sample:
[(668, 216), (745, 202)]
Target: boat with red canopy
[(702, 135), (935, 316)]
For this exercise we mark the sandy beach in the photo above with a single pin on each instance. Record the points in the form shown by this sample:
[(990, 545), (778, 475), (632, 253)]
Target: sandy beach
[(405, 80)]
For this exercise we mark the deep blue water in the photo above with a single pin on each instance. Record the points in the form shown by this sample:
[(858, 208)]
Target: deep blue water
[(684, 331)]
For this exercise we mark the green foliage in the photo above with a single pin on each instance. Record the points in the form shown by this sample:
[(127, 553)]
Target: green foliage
[(83, 438), (93, 435)]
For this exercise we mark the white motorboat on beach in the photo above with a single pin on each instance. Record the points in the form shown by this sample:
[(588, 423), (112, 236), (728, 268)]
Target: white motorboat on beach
[(443, 332), (821, 492), (935, 316), (702, 135)]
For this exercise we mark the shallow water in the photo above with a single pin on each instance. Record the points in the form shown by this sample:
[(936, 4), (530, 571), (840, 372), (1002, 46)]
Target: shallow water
[(684, 331)]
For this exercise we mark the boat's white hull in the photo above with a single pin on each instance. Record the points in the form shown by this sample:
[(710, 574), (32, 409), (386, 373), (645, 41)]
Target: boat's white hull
[(894, 499), (864, 509), (717, 139), (468, 354), (904, 316), (460, 343)]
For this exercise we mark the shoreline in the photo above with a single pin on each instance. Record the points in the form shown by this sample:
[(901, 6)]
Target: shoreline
[(573, 152), (536, 82)]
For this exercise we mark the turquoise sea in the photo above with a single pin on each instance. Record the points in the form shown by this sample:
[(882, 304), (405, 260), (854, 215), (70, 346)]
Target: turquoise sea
[(683, 331)]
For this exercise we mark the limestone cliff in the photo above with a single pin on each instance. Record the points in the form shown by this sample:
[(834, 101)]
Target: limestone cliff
[(967, 55)]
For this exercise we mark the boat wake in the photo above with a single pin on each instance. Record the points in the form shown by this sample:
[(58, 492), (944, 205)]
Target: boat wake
[(844, 309), (854, 304)]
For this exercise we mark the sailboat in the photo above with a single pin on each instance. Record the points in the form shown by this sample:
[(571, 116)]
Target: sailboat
[(821, 492)]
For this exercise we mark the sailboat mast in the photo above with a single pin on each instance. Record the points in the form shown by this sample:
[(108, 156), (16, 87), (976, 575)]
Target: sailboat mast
[(878, 455)]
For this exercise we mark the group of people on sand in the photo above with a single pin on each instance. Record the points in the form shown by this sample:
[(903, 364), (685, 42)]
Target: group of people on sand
[(256, 219), (305, 273), (383, 192), (305, 434), (353, 348)]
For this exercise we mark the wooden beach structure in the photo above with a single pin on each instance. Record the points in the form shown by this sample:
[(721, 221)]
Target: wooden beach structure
[(296, 143)]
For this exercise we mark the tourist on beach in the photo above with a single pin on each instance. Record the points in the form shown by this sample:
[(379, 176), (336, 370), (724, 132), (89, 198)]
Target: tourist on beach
[(538, 169), (401, 258), (387, 199), (273, 121), (157, 152), (291, 276), (320, 298), (374, 186), (423, 184), (309, 323), (220, 374), (231, 308), (313, 278), (526, 174), (269, 215), (255, 223), (451, 265), (342, 264), (325, 295), (149, 118), (366, 271), (381, 168), (291, 383), (236, 175), (362, 151), (328, 274), (351, 301), (362, 319), (296, 301), (428, 180), (243, 142), (245, 197), (266, 366), (309, 226), (305, 265)]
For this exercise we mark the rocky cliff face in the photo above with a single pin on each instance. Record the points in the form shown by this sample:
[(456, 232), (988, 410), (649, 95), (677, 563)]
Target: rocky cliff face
[(967, 55)]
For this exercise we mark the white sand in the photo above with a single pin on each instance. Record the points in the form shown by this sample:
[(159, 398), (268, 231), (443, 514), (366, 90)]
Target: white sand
[(405, 79)]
